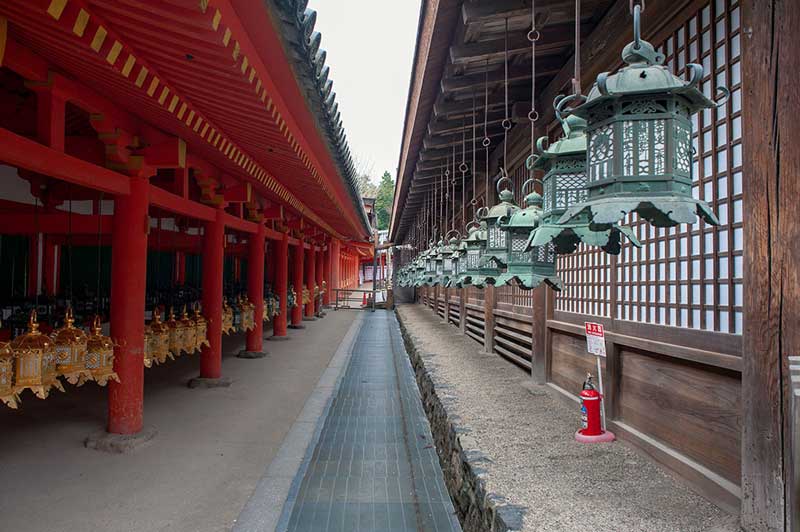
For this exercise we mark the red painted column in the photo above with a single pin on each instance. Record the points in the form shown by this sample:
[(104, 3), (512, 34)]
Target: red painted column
[(128, 285), (326, 274), (281, 257), (311, 278), (255, 288), (180, 268), (213, 258), (318, 274), (297, 282)]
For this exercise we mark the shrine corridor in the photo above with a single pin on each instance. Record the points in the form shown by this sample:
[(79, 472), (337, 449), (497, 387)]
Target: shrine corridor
[(374, 466)]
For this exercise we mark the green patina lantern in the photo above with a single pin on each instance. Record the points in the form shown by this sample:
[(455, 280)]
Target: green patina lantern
[(474, 245), (639, 140), (528, 268), (429, 273), (459, 262), (438, 263), (495, 256), (564, 185), (446, 251)]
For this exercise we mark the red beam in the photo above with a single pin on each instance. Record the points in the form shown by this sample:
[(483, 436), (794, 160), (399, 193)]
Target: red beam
[(179, 205), (28, 154), (239, 224)]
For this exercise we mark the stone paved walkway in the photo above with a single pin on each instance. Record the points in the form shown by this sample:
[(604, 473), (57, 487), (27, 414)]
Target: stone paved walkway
[(374, 467)]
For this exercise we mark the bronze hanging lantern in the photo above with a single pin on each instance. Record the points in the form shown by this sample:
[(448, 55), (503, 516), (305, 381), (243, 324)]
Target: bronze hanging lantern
[(438, 263), (528, 268), (495, 256), (201, 329), (188, 332), (7, 393), (639, 139), (227, 318), (156, 339), (564, 185), (100, 355), (36, 361), (70, 345), (176, 342), (474, 244)]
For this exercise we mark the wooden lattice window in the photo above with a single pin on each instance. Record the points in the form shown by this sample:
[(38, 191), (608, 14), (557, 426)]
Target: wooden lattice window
[(688, 276)]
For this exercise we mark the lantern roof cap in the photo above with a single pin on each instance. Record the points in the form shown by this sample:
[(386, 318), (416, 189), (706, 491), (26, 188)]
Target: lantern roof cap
[(33, 340), (505, 208), (69, 334), (645, 74), (527, 218)]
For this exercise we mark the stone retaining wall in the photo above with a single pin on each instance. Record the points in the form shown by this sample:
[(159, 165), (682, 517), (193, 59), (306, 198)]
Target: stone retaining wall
[(462, 463)]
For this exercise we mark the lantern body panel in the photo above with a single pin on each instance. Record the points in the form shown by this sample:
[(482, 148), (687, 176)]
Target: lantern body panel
[(7, 393), (35, 362), (70, 346)]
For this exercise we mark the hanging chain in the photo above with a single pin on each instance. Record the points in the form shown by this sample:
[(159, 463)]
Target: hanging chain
[(533, 36), (576, 78), (463, 169), (506, 120), (453, 197), (69, 245), (474, 167), (486, 140)]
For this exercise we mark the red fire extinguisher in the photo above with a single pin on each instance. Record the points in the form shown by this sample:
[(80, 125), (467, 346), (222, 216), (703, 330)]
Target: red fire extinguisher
[(591, 418)]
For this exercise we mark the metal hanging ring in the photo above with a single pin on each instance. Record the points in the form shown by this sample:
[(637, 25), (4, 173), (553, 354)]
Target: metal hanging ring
[(534, 35), (503, 180), (533, 115), (473, 202), (530, 181), (507, 124), (637, 26), (486, 142), (456, 231), (634, 3), (560, 102), (463, 167)]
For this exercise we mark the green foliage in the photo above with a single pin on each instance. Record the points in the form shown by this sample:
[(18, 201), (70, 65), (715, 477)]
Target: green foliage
[(384, 199)]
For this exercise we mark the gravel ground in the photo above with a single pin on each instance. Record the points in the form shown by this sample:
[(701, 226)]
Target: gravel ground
[(535, 462)]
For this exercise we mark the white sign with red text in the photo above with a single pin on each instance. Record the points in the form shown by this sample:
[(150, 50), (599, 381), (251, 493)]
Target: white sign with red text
[(595, 338)]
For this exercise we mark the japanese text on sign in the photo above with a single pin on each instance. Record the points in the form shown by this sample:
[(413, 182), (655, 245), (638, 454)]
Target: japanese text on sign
[(595, 338)]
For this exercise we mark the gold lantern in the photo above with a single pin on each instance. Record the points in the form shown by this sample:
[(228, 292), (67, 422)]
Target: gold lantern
[(70, 343), (201, 329), (156, 341), (227, 318), (248, 311), (306, 296), (100, 356), (189, 332), (7, 393), (267, 309), (36, 361), (175, 334)]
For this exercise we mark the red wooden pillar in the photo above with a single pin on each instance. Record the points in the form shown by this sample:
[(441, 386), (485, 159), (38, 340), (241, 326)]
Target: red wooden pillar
[(213, 259), (180, 268), (281, 267), (128, 284), (326, 274), (318, 273), (311, 263), (255, 291), (297, 283)]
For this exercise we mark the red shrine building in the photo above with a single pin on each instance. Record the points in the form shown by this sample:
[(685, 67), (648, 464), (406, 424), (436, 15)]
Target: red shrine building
[(159, 154)]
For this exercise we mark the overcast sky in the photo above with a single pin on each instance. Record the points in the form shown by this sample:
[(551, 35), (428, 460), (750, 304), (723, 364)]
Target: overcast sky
[(370, 45)]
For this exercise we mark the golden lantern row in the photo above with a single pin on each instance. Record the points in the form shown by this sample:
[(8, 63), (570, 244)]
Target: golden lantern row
[(35, 361), (306, 296), (168, 340)]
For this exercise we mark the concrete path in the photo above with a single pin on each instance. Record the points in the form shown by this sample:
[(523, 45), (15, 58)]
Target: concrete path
[(373, 466), (211, 448)]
